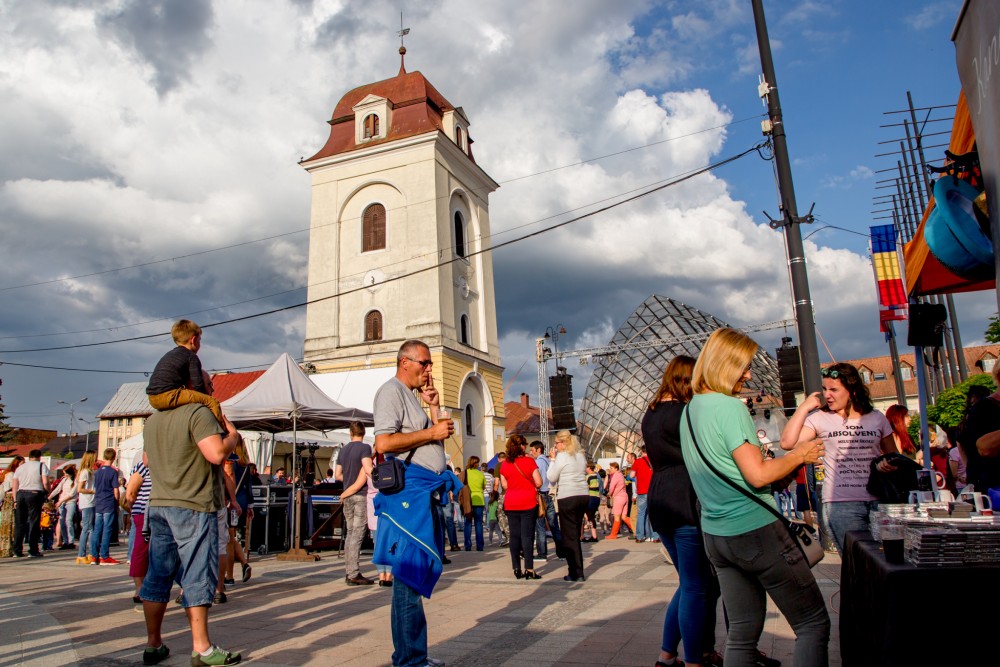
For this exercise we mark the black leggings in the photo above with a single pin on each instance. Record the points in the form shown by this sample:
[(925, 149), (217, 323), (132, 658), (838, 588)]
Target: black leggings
[(522, 536), (571, 511)]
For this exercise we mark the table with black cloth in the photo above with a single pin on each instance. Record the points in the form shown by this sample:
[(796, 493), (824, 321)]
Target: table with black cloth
[(907, 615)]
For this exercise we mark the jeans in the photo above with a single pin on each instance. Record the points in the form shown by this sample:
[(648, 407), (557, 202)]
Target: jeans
[(66, 514), (86, 528), (839, 518), (522, 529), (541, 546), (642, 529), (409, 627), (28, 517), (447, 513), (355, 520), (477, 519), (101, 537), (766, 562), (183, 547), (691, 612), (571, 511)]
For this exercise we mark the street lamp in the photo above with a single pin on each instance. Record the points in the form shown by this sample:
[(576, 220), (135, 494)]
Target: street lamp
[(553, 333), (90, 427), (72, 417)]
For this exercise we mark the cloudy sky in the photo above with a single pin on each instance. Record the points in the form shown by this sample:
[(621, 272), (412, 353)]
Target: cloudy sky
[(150, 148)]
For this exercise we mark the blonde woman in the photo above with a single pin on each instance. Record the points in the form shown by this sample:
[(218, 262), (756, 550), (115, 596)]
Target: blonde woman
[(751, 550), (85, 488), (569, 472)]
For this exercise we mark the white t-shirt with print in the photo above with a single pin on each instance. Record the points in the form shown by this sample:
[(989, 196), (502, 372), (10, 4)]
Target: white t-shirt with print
[(850, 447)]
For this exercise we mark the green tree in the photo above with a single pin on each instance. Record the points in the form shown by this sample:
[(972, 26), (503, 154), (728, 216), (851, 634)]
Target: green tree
[(949, 408), (992, 333), (6, 431)]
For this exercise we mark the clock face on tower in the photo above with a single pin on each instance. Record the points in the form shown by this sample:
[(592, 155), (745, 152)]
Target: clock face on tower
[(373, 280)]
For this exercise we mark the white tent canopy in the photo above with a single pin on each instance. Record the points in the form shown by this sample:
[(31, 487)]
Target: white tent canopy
[(284, 399)]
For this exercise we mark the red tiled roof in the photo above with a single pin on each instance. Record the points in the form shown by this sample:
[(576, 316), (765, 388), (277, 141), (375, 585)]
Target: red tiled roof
[(882, 389), (227, 385), (20, 450), (521, 418), (417, 107)]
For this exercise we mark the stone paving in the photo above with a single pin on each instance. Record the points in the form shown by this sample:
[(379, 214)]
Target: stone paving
[(57, 613)]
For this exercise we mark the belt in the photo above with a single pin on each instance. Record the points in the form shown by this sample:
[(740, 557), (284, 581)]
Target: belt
[(29, 491)]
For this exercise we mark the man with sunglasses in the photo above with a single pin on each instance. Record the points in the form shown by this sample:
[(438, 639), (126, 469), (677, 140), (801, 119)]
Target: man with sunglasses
[(403, 427)]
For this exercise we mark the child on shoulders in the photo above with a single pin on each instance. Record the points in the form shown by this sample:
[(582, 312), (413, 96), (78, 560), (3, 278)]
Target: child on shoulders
[(177, 378)]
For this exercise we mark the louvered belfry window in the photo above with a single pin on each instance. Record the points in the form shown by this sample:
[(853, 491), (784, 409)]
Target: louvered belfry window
[(371, 126), (373, 326), (373, 228)]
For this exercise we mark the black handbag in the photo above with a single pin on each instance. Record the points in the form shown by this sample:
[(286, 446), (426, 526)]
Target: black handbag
[(895, 486), (389, 476), (803, 535)]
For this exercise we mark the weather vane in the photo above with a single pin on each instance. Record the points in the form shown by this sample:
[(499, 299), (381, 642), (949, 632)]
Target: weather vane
[(403, 32)]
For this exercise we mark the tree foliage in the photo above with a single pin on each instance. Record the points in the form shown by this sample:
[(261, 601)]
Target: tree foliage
[(949, 408), (6, 431), (992, 333)]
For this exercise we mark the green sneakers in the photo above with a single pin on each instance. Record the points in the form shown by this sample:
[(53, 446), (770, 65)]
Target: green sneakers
[(154, 656), (218, 656)]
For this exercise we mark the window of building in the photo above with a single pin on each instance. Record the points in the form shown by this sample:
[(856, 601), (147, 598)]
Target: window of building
[(459, 235), (373, 228), (879, 376), (464, 330), (458, 136), (988, 364), (866, 375), (128, 421), (373, 326), (906, 372), (371, 126), (468, 419)]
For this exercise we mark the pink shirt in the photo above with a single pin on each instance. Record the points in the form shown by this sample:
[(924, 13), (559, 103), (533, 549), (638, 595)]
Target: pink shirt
[(850, 447)]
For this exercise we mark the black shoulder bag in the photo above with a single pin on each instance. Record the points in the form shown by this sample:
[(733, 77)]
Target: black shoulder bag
[(389, 477), (801, 533)]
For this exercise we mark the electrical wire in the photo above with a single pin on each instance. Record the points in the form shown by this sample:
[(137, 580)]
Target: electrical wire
[(675, 181), (299, 231)]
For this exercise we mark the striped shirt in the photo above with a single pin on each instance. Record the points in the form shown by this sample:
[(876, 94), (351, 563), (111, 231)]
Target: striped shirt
[(139, 507)]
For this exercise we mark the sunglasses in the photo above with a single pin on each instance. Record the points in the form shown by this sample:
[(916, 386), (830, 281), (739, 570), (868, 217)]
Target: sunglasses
[(423, 364), (830, 373)]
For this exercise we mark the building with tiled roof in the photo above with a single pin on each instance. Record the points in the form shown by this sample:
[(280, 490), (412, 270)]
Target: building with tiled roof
[(125, 414), (523, 418), (878, 375)]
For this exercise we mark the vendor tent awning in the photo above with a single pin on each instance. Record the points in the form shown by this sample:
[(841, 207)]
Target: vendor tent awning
[(284, 398)]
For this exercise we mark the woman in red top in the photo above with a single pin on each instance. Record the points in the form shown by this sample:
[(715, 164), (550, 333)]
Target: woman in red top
[(520, 478)]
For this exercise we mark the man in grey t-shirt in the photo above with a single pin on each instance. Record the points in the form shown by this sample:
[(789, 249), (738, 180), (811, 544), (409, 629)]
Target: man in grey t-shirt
[(401, 427)]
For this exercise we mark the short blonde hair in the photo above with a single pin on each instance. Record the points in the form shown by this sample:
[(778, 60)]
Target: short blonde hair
[(184, 330), (572, 442), (722, 362)]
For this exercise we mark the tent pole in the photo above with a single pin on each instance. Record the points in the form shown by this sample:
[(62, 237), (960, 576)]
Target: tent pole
[(296, 553)]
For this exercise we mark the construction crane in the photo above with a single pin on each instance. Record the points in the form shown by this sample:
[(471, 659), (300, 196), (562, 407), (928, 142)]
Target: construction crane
[(543, 354)]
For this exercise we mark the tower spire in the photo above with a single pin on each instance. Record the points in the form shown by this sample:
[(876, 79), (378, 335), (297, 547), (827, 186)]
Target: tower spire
[(403, 32)]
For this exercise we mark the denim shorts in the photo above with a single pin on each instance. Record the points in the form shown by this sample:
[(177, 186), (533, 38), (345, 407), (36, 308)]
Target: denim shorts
[(183, 547)]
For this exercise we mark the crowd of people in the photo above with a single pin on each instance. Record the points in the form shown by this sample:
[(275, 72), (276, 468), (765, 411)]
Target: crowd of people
[(701, 485)]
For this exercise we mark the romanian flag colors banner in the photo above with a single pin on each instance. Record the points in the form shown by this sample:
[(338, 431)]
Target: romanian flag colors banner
[(888, 275)]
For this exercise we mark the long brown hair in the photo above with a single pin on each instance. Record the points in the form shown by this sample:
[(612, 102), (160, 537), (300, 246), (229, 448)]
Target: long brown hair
[(896, 414), (472, 463), (676, 381), (14, 465), (515, 446)]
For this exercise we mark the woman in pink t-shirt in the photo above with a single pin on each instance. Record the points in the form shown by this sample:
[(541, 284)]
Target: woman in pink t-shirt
[(854, 433), (619, 500), (520, 478)]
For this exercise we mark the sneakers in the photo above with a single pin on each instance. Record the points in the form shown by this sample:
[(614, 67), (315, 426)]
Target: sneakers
[(358, 580), (247, 572), (154, 656), (220, 598), (218, 656), (761, 660), (110, 561), (431, 662), (229, 582)]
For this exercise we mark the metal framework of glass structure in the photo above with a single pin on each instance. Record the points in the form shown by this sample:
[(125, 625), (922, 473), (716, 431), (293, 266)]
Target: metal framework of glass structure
[(624, 381)]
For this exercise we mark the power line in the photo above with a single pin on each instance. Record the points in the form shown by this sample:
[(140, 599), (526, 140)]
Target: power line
[(680, 179), (299, 231)]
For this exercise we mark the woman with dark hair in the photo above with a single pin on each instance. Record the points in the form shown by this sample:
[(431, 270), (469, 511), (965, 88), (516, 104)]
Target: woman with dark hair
[(980, 440), (854, 433), (473, 477), (65, 494), (673, 514), (899, 420), (521, 480), (753, 554)]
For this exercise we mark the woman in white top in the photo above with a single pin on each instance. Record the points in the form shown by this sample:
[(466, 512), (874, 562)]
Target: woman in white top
[(569, 472), (85, 503), (65, 494)]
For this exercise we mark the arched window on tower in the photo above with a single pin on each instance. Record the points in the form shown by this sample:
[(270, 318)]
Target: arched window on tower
[(468, 419), (464, 333), (373, 326), (371, 126), (459, 235), (373, 228), (458, 136)]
